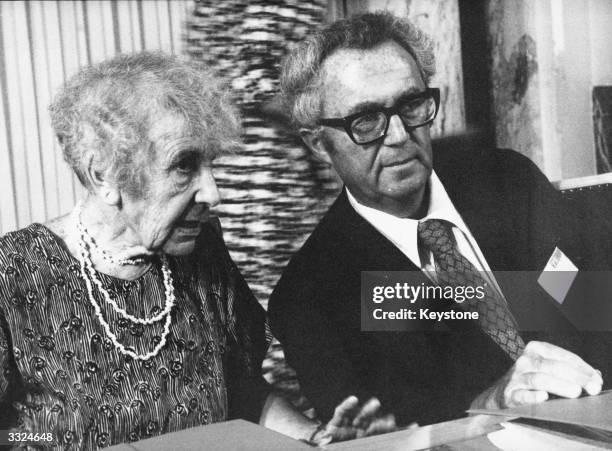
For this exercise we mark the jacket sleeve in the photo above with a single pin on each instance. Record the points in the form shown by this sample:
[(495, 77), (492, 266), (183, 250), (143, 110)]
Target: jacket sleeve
[(570, 223), (313, 346)]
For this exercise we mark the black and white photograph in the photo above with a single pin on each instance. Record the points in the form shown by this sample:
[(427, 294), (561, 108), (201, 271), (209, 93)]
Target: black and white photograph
[(364, 225)]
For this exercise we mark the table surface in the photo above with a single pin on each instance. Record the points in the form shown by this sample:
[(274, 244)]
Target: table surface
[(467, 434), (235, 435), (463, 434)]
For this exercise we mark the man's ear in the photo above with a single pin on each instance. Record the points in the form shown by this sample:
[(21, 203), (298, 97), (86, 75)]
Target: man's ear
[(312, 138), (99, 179)]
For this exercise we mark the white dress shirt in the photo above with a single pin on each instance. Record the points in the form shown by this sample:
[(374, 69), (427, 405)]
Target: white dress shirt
[(402, 232)]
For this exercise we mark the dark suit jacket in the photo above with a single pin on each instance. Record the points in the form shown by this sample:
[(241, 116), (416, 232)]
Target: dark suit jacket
[(516, 218)]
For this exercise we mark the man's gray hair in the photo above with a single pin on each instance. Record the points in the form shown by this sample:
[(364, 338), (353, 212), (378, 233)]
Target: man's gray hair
[(301, 68), (110, 108)]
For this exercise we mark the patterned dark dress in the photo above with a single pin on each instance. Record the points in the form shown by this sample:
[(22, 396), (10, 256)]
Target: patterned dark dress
[(61, 374)]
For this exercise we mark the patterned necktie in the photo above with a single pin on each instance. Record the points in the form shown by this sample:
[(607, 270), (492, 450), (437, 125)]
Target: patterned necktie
[(453, 269)]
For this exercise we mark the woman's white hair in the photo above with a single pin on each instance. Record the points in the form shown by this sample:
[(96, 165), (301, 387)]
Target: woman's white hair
[(110, 108)]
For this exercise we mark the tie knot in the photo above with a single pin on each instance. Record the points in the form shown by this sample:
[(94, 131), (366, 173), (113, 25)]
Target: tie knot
[(435, 235)]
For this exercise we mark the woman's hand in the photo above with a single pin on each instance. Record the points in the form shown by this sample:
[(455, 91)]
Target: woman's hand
[(351, 421)]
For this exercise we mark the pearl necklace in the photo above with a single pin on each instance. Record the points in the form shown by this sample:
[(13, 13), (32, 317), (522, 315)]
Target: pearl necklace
[(86, 265), (93, 247)]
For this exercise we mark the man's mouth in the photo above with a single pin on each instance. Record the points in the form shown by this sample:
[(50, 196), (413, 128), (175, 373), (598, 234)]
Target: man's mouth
[(400, 162)]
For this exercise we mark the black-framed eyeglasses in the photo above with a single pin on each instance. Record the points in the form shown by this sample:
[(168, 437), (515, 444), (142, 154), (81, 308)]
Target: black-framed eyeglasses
[(365, 127)]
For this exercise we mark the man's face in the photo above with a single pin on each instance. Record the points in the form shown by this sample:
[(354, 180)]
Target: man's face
[(390, 174)]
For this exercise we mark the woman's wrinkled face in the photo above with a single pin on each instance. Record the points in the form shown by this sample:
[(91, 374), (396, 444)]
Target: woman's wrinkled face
[(179, 191)]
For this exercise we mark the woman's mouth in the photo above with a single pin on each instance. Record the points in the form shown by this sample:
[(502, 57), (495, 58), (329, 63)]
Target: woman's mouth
[(188, 227)]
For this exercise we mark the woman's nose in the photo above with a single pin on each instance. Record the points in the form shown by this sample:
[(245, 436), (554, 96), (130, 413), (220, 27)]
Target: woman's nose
[(208, 192)]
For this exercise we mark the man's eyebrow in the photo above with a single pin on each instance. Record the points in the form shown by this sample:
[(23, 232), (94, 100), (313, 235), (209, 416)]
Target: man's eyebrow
[(364, 106), (410, 93), (370, 106)]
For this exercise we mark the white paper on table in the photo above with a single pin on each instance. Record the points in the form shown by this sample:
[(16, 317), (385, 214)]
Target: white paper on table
[(515, 437)]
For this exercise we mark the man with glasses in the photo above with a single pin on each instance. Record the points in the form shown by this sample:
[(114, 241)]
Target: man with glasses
[(358, 94)]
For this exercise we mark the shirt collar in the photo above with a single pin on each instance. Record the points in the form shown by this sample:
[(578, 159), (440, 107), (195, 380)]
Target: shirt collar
[(403, 231)]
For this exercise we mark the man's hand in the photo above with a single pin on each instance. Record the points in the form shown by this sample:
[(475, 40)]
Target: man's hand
[(541, 370), (351, 421)]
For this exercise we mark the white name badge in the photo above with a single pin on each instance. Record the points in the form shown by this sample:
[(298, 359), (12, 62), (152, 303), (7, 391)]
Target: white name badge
[(558, 275)]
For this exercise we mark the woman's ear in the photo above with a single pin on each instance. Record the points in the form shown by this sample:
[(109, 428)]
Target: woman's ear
[(312, 138), (111, 195), (102, 184)]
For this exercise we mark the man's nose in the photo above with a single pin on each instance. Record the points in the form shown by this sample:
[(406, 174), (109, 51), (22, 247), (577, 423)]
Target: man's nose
[(396, 133), (208, 192)]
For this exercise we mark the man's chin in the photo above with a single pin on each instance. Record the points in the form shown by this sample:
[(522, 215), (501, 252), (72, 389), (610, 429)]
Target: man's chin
[(408, 188)]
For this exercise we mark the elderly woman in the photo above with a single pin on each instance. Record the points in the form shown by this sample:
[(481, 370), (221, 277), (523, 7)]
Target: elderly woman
[(127, 318)]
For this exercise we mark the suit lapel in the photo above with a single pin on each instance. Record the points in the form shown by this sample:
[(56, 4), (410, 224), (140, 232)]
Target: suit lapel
[(488, 224), (365, 243)]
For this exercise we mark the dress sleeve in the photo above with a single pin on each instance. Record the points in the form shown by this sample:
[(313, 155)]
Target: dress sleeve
[(4, 361), (7, 377), (248, 337), (247, 388)]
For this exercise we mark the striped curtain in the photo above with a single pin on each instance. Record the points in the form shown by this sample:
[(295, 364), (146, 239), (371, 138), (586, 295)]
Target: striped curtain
[(42, 43)]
